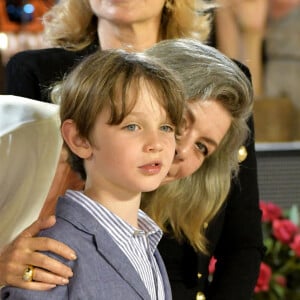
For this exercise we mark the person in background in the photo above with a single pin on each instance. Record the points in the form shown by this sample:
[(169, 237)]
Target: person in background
[(130, 24), (264, 34), (78, 27), (114, 98)]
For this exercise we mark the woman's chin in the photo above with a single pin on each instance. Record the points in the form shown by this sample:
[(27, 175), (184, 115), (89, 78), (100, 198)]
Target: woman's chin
[(169, 178)]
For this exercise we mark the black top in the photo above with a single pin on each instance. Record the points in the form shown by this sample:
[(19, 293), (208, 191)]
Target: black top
[(235, 235)]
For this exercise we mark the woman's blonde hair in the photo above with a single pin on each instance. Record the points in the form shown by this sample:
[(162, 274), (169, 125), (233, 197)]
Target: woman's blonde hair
[(188, 204), (72, 25)]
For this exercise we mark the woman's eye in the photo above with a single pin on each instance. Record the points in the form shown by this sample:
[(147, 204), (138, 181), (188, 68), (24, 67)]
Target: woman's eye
[(132, 127), (167, 128), (202, 148)]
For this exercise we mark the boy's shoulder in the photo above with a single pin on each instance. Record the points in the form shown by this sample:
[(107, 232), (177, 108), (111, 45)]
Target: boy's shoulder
[(73, 224)]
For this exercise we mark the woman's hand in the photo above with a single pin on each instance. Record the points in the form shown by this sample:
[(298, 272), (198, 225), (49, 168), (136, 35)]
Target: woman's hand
[(20, 253), (249, 15)]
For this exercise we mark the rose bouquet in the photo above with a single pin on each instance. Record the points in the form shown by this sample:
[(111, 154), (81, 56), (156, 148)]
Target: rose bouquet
[(279, 277)]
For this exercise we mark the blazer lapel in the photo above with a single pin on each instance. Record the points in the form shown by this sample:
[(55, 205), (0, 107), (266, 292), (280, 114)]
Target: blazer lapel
[(119, 261)]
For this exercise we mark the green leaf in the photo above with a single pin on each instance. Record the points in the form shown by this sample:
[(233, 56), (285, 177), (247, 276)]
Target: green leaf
[(269, 242), (279, 290)]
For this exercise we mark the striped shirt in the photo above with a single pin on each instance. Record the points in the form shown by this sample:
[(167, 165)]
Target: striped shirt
[(138, 245)]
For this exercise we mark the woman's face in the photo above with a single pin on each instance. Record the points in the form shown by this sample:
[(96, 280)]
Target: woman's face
[(206, 123), (128, 11)]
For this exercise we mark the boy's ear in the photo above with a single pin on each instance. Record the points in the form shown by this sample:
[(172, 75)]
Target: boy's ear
[(77, 144)]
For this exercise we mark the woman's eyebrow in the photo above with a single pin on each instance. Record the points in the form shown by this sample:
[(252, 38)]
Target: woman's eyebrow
[(210, 141)]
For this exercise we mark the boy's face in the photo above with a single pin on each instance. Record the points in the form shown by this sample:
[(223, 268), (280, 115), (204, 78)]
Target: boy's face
[(135, 155)]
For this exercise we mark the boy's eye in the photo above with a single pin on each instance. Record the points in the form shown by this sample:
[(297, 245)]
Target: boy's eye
[(167, 128), (202, 148), (132, 127)]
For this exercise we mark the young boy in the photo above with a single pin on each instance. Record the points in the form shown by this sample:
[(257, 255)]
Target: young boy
[(119, 113)]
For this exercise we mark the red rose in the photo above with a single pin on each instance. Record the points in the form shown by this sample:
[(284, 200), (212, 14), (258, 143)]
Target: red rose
[(264, 278), (212, 265), (270, 211), (284, 230), (295, 245)]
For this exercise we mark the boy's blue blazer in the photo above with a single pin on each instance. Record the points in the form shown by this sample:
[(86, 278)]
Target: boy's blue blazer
[(101, 271)]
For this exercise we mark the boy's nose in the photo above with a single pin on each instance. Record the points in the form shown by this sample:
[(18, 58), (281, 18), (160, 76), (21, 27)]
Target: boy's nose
[(153, 144)]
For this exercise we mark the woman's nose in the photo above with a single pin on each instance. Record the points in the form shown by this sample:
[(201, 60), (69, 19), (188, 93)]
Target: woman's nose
[(182, 150)]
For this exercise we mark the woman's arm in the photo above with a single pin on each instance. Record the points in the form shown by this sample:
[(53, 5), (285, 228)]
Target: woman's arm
[(23, 251), (240, 30)]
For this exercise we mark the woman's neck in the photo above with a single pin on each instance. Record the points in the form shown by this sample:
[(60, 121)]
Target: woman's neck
[(134, 37)]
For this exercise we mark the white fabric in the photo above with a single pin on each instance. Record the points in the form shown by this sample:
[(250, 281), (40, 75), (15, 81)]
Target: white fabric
[(30, 145)]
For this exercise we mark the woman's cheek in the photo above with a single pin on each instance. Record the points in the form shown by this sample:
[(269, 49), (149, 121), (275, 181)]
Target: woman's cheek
[(190, 166)]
